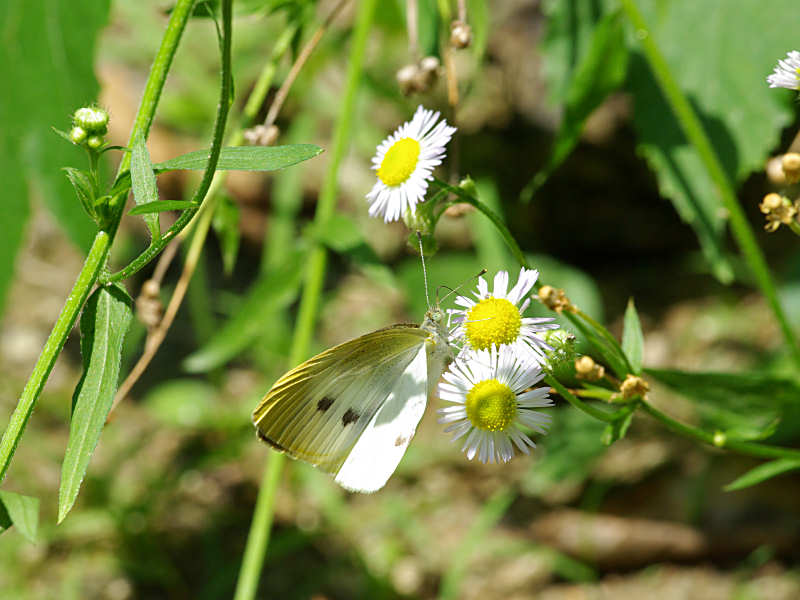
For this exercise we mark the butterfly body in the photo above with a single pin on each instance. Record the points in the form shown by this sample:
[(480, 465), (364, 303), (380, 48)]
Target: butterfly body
[(352, 409)]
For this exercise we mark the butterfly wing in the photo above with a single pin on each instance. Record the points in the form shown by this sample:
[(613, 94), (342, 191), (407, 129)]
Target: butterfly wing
[(352, 409)]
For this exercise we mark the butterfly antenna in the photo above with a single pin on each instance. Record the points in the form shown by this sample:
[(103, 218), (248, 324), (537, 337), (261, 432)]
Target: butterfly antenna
[(424, 270), (458, 287)]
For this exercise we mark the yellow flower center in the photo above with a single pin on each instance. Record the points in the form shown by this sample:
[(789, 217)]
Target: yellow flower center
[(399, 162), (491, 405), (492, 322)]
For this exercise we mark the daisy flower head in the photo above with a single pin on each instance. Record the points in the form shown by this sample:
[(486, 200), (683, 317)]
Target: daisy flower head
[(404, 162), (787, 73), (495, 319), (490, 399)]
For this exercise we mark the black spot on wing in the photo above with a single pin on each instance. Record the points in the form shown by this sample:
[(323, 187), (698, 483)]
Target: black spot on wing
[(272, 443), (324, 403), (349, 417)]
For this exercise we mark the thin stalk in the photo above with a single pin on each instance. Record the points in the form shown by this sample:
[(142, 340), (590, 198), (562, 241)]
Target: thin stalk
[(697, 434), (578, 403), (496, 220), (258, 537), (98, 253), (693, 129)]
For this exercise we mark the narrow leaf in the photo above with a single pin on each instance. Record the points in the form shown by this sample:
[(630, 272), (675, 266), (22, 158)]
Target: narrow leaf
[(601, 70), (104, 322), (158, 206), (632, 338), (272, 292), (83, 187), (20, 511), (226, 225), (143, 181), (244, 158), (763, 472)]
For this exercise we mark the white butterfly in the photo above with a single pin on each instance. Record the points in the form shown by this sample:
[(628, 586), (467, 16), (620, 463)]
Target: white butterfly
[(353, 409)]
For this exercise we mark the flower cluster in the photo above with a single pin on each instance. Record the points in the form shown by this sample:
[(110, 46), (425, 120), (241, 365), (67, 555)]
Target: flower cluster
[(489, 387)]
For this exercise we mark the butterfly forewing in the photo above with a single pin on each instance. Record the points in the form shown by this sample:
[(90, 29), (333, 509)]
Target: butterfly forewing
[(318, 411)]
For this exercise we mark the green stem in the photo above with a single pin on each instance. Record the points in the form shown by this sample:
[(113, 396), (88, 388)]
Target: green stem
[(578, 403), (693, 129), (262, 521), (98, 253), (157, 245), (258, 537), (749, 448), (495, 219)]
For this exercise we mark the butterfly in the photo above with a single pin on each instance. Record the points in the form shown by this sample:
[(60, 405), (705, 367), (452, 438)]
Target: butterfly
[(352, 410)]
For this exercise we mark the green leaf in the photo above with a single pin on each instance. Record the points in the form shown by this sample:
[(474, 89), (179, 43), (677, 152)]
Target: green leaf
[(632, 338), (104, 322), (600, 71), (244, 158), (47, 72), (143, 181), (479, 20), (724, 80), (226, 225), (428, 27), (271, 293), (20, 511), (158, 206), (82, 184), (746, 404), (619, 428), (763, 472)]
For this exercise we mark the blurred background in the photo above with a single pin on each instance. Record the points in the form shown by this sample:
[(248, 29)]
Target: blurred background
[(166, 504)]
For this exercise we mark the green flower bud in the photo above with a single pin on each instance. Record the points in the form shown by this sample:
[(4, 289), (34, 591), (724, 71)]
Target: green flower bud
[(561, 359), (77, 135), (95, 142), (91, 118)]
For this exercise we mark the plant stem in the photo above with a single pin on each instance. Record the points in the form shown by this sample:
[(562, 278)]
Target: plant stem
[(577, 403), (695, 433), (496, 220), (262, 521), (258, 537), (693, 129), (52, 348), (96, 259)]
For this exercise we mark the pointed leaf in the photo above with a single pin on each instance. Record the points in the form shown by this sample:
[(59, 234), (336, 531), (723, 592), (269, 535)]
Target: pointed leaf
[(104, 322), (272, 292), (20, 511), (763, 472), (143, 181), (632, 338), (244, 158), (158, 206), (83, 187), (226, 225)]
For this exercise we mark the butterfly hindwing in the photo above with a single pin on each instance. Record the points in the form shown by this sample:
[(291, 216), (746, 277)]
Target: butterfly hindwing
[(320, 410)]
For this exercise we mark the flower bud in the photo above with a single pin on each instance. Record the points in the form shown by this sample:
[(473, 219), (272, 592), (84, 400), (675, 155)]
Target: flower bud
[(778, 210), (407, 79), (561, 356), (94, 142), (427, 74), (77, 135), (791, 166), (91, 118), (460, 34), (555, 299), (149, 308), (634, 387), (588, 370)]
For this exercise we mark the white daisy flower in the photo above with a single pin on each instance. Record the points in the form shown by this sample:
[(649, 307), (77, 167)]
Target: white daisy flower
[(787, 73), (487, 390), (496, 320), (404, 162)]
